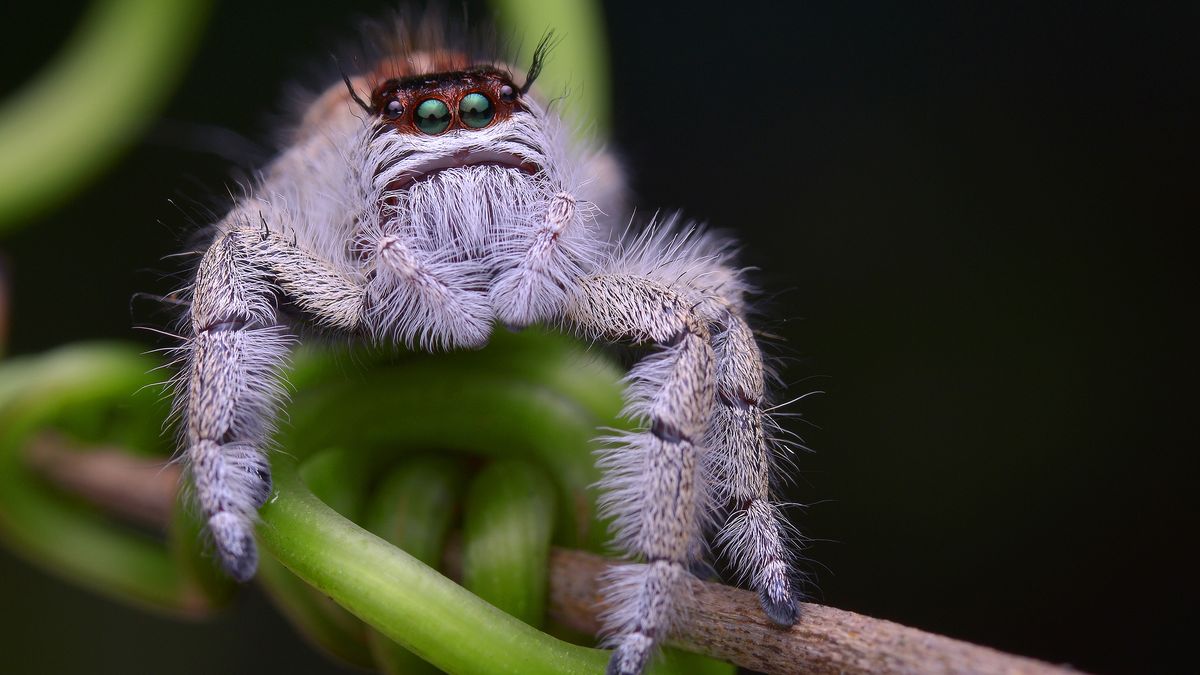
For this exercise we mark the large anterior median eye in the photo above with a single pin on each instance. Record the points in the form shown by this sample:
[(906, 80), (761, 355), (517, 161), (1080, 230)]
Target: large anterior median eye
[(432, 116), (476, 110)]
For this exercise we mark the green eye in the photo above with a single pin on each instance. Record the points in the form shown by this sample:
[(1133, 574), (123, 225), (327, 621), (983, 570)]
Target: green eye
[(476, 111), (432, 116)]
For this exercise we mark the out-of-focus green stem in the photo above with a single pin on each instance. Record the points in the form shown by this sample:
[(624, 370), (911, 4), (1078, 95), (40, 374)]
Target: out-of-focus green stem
[(113, 75), (339, 477), (507, 523), (448, 404), (185, 543), (400, 596), (469, 406), (3, 307), (57, 533), (478, 403), (578, 65), (413, 508), (588, 379)]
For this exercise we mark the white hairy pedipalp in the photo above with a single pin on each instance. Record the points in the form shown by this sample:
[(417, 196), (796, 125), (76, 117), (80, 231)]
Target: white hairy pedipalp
[(373, 228)]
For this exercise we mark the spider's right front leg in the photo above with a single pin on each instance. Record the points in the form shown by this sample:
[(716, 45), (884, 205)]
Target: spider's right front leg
[(232, 387), (653, 481)]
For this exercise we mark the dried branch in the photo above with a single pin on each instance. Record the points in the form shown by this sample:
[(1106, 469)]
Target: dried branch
[(138, 489), (726, 623)]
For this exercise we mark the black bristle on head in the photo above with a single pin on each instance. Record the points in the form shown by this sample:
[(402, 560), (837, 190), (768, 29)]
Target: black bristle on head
[(539, 59), (350, 87)]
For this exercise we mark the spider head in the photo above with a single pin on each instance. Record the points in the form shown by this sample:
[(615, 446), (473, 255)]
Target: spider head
[(469, 116), (450, 141)]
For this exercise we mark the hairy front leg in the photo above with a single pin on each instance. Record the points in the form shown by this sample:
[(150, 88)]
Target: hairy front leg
[(753, 536), (231, 389), (737, 457), (652, 483)]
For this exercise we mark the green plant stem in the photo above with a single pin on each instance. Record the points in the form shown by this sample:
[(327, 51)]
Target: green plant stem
[(320, 620), (448, 404), (339, 479), (413, 508), (478, 405), (402, 597), (507, 523), (578, 66), (112, 76)]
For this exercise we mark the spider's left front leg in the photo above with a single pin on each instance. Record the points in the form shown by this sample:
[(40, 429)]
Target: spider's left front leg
[(653, 482)]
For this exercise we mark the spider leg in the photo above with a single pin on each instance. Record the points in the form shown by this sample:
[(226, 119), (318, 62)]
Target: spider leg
[(535, 286), (654, 485), (230, 388), (737, 458), (753, 534), (414, 297)]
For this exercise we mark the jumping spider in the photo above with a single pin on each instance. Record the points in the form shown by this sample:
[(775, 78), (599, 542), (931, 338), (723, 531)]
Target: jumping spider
[(420, 203)]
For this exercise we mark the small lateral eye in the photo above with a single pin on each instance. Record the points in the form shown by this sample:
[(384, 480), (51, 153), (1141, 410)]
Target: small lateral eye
[(476, 110), (432, 116), (507, 93), (393, 109)]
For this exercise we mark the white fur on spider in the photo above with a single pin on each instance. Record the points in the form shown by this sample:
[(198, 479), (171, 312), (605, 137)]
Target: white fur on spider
[(430, 240), (468, 246)]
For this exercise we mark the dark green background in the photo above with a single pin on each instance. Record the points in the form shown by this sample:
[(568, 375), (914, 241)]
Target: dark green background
[(971, 221)]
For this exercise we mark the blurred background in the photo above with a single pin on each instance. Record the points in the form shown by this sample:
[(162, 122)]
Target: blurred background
[(971, 227)]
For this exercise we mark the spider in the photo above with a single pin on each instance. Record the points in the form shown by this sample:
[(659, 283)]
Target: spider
[(425, 201)]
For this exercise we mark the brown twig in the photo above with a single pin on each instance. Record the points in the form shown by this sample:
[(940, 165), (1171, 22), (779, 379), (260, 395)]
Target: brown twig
[(138, 489), (725, 622)]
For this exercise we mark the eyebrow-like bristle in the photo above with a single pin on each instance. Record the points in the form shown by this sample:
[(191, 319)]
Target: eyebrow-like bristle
[(546, 44), (354, 93)]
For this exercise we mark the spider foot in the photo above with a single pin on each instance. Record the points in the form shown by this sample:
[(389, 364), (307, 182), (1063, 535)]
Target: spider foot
[(780, 607), (631, 656), (235, 543)]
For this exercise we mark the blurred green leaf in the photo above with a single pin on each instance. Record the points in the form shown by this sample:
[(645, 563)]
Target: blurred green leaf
[(578, 66), (92, 101)]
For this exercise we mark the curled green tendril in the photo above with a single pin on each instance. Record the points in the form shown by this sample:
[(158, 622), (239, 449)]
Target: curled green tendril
[(507, 525), (531, 402), (93, 100), (61, 534), (413, 507), (402, 597)]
